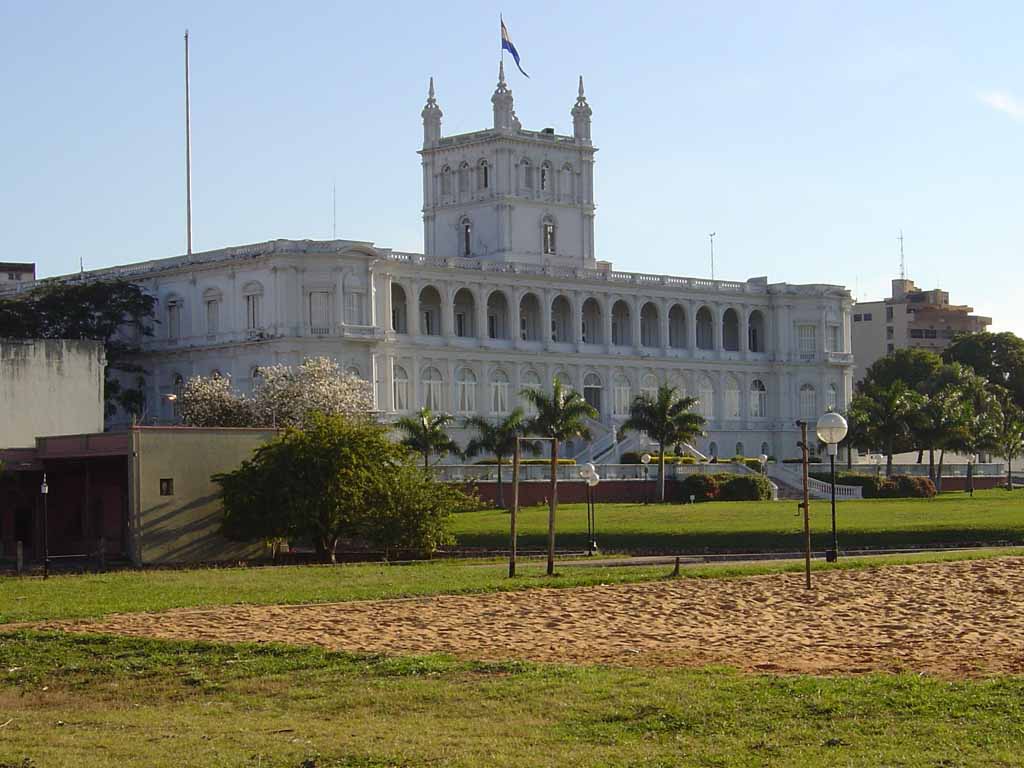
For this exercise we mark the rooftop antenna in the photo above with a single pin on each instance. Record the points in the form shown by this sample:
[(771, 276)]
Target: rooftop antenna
[(188, 158), (334, 205), (903, 261), (711, 237)]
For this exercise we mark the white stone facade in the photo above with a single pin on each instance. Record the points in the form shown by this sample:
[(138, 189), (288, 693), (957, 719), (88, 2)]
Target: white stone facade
[(466, 333)]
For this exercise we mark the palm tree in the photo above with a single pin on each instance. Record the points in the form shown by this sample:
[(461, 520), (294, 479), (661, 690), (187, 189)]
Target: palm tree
[(559, 416), (890, 414), (666, 419), (426, 433), (1009, 431), (499, 439)]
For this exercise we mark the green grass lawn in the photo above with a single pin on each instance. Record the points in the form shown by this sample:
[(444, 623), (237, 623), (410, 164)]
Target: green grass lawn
[(93, 701), (992, 517)]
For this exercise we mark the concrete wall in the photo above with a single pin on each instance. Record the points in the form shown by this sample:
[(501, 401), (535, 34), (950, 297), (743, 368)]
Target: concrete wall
[(183, 527), (50, 387)]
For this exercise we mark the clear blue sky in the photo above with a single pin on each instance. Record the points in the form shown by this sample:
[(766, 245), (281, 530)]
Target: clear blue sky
[(806, 134)]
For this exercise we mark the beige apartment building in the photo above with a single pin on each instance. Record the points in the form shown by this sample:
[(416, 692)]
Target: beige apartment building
[(910, 318)]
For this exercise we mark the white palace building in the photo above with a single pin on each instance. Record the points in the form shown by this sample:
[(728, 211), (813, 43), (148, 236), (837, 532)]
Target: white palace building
[(507, 295)]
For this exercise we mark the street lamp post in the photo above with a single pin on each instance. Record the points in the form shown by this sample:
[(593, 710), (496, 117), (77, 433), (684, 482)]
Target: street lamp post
[(44, 490), (764, 464), (831, 429), (590, 476), (646, 461), (970, 474)]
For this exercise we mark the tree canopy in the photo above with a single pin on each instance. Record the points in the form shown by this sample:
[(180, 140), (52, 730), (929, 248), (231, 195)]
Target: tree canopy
[(114, 312), (667, 419), (997, 357), (337, 479), (499, 439), (426, 433), (914, 367)]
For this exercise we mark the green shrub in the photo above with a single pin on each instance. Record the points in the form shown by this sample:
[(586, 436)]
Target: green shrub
[(701, 487), (744, 488), (881, 487)]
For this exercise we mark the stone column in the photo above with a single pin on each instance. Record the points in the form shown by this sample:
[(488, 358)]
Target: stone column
[(412, 309), (691, 326), (545, 316), (606, 320), (480, 300), (663, 309), (744, 322), (447, 319), (577, 319), (637, 305)]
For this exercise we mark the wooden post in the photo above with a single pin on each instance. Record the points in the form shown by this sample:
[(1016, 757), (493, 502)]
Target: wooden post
[(552, 506), (101, 553), (20, 555), (806, 505), (515, 508)]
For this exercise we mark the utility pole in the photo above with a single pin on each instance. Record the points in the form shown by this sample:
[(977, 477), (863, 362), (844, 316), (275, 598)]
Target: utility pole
[(711, 237), (188, 158), (806, 503), (903, 261)]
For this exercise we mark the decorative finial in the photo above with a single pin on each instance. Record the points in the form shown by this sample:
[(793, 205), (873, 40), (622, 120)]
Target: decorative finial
[(501, 73), (430, 92), (581, 86), (581, 113)]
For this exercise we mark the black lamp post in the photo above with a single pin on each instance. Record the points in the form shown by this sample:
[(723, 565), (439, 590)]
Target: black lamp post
[(831, 429), (646, 461), (589, 475), (44, 490)]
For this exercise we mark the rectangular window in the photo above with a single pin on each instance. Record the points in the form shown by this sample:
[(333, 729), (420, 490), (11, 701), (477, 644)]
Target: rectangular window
[(212, 316), (460, 323), (732, 403), (319, 312), (890, 332), (807, 336), (583, 331), (492, 326), (499, 397), (465, 394), (174, 320), (857, 318), (433, 395), (890, 348), (354, 308), (166, 486), (888, 314), (528, 177), (252, 311), (549, 239), (428, 322), (621, 401), (401, 394), (835, 338), (930, 333), (867, 317)]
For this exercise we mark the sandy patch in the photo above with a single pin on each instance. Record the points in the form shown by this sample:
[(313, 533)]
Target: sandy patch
[(952, 619)]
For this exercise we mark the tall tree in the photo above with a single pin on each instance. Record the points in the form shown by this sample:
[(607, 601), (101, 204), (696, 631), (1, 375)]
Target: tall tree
[(560, 416), (666, 418), (889, 415), (1008, 433), (498, 438), (998, 357), (114, 312), (427, 434)]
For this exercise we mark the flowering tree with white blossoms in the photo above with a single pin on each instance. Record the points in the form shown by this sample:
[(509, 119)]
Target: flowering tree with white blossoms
[(284, 396)]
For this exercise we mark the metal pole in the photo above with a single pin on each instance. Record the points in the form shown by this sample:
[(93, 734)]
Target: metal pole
[(835, 536), (590, 520), (806, 505), (515, 509), (46, 525), (552, 506), (188, 155)]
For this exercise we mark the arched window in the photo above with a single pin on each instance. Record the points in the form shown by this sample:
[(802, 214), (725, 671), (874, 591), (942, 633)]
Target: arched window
[(622, 396), (463, 181), (433, 389), (497, 316), (465, 312), (399, 318), (400, 389), (650, 332), (758, 399), (483, 175), (649, 385), (529, 318), (592, 390), (705, 329), (527, 174), (528, 380), (465, 390), (253, 293), (755, 332), (548, 232), (732, 398), (212, 298), (731, 330), (545, 177), (831, 398), (713, 450), (175, 307), (766, 449), (739, 450), (499, 392), (706, 396), (592, 331), (677, 327), (430, 311), (561, 319), (808, 402), (621, 326), (446, 181), (466, 236)]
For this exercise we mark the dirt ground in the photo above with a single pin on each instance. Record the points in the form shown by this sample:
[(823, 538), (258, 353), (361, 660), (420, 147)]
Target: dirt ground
[(951, 619)]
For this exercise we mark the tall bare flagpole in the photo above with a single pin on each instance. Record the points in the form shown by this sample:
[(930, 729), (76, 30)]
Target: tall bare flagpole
[(188, 157), (711, 237)]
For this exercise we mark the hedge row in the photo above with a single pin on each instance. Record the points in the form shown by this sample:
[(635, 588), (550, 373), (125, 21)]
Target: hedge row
[(872, 487), (725, 486), (508, 462)]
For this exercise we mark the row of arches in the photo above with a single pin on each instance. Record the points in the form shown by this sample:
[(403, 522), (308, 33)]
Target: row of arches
[(465, 180), (594, 328)]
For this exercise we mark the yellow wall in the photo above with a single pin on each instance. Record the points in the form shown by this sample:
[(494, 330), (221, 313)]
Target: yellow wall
[(183, 527)]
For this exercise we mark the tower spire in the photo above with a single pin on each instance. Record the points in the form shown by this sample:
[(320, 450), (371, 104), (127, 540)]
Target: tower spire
[(504, 110), (431, 118), (581, 113)]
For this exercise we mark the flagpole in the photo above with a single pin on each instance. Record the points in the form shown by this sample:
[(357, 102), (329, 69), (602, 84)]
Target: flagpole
[(188, 157)]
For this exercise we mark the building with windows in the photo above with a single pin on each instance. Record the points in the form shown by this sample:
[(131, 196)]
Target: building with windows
[(910, 318), (507, 294), (13, 272)]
